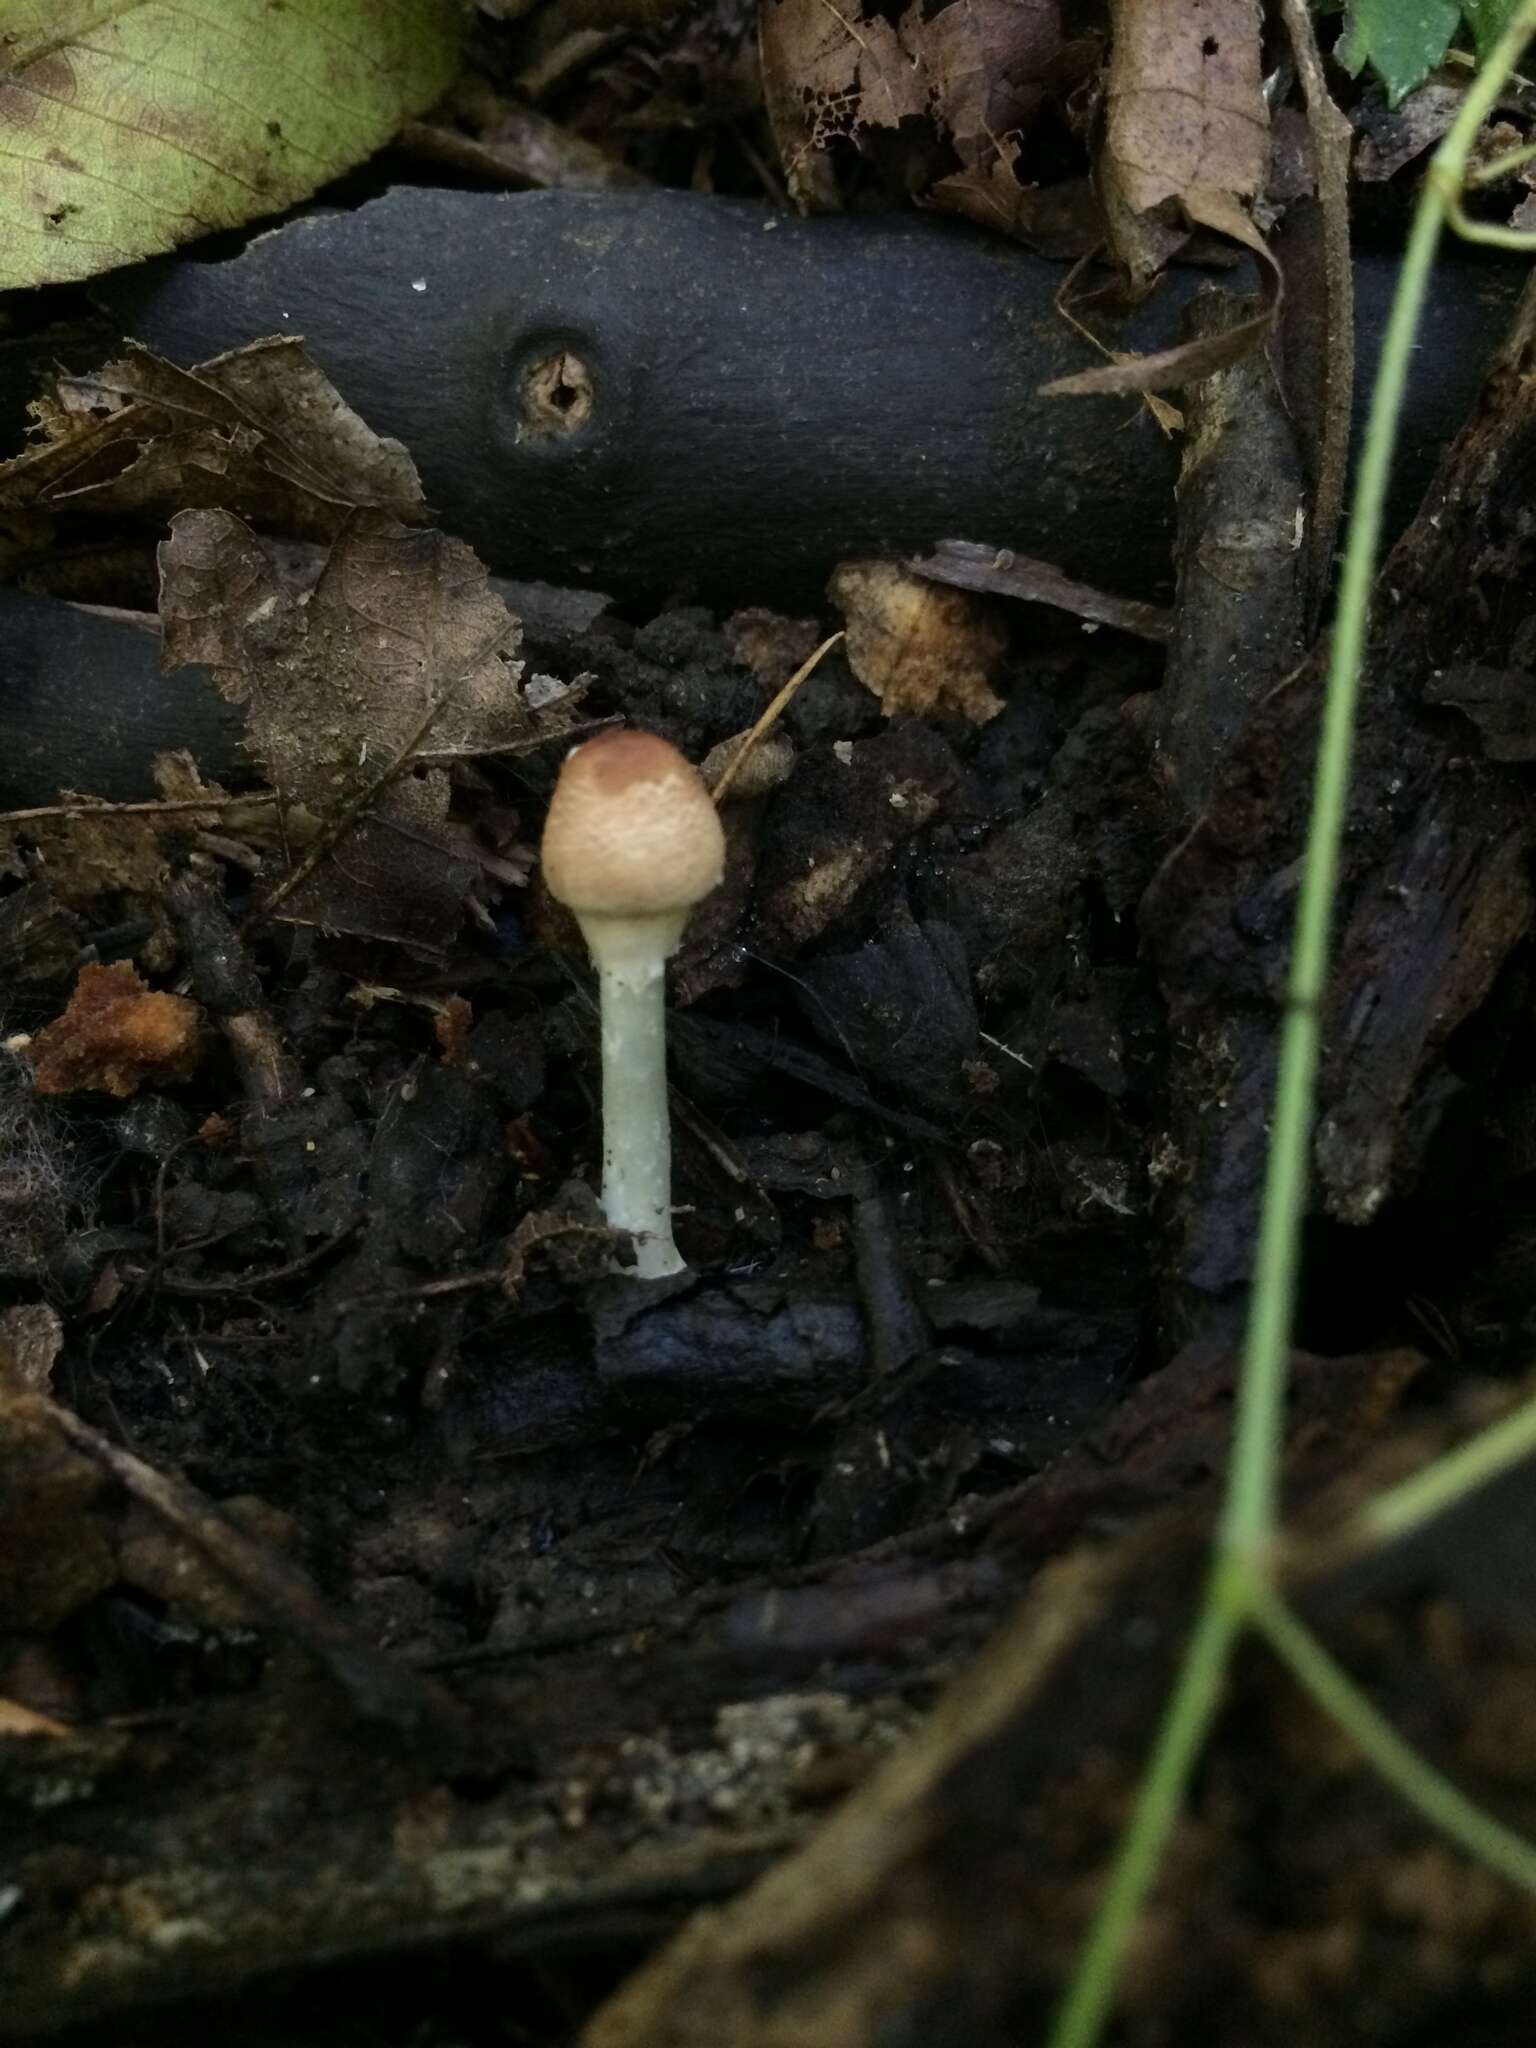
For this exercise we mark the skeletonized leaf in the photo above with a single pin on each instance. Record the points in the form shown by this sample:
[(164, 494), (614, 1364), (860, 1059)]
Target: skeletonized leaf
[(129, 126), (965, 74)]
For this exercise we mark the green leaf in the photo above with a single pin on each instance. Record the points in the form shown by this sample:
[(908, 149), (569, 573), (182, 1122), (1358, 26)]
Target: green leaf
[(128, 126), (1488, 20), (1401, 40)]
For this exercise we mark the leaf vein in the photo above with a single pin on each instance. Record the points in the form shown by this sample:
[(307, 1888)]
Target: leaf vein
[(219, 92), (148, 135), (19, 156)]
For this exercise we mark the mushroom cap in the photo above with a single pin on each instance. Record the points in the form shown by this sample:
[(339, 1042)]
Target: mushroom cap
[(631, 831)]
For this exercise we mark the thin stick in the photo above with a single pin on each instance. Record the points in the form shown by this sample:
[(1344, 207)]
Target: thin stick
[(1333, 137), (148, 809), (769, 719)]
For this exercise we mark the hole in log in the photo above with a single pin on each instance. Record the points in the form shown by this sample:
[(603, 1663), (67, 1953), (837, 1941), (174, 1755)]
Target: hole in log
[(557, 394)]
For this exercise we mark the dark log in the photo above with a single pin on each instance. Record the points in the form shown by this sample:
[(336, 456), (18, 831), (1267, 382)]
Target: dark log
[(84, 706), (766, 396), (659, 391)]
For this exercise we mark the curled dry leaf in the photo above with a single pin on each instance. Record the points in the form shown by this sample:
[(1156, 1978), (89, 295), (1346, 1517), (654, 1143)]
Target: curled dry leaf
[(1187, 132), (1063, 220), (1001, 572), (115, 1034), (964, 76), (1186, 144), (360, 692), (919, 646), (260, 431)]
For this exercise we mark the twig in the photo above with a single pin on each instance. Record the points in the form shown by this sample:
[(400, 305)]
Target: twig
[(1332, 136), (769, 719), (379, 1689), (255, 1283), (146, 809)]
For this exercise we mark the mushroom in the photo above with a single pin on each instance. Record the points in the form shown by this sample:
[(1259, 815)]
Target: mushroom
[(631, 844)]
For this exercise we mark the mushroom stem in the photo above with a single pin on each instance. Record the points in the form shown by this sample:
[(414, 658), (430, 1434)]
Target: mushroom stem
[(631, 843), (630, 955)]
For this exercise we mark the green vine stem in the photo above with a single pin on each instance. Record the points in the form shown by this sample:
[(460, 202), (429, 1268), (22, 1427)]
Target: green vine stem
[(1399, 1510), (1396, 1761), (1239, 1588)]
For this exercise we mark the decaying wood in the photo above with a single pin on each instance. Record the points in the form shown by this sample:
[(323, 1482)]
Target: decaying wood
[(1434, 890), (660, 1763), (862, 386), (946, 1900), (1242, 571)]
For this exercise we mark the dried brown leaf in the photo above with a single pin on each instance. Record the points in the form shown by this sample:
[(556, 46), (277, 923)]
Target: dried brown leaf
[(921, 647), (984, 60), (360, 692), (260, 431), (1187, 131), (1062, 221)]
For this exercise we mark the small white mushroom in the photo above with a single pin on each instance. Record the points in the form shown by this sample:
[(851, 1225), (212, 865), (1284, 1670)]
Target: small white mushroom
[(631, 844)]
